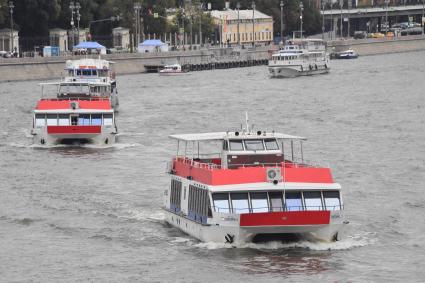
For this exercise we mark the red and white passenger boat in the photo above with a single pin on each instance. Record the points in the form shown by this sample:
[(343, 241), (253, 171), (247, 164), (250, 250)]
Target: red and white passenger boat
[(74, 120), (254, 189)]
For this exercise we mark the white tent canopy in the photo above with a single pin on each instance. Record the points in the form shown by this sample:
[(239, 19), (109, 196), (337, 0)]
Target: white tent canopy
[(152, 45)]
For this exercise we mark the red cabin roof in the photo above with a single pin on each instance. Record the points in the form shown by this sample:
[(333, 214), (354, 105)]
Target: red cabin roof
[(56, 104)]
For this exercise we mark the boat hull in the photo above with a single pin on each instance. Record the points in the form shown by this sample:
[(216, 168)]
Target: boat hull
[(296, 71), (237, 235), (102, 136)]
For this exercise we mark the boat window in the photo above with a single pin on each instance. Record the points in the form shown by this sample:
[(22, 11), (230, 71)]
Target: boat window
[(293, 201), (313, 200), (94, 72), (259, 202), (71, 73), (74, 120), (221, 202), (236, 145), (63, 120), (40, 120), (240, 202), (332, 201), (271, 144), (78, 72), (254, 145), (225, 147), (107, 119), (276, 201), (52, 119), (86, 72), (84, 119), (96, 119)]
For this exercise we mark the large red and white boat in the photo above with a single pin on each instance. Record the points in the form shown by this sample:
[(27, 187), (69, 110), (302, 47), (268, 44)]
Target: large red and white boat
[(254, 189), (74, 120)]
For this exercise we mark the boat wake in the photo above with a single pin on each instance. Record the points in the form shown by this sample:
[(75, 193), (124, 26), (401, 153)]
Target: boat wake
[(347, 243)]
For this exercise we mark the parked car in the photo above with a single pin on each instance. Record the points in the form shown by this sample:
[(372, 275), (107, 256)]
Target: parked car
[(359, 34)]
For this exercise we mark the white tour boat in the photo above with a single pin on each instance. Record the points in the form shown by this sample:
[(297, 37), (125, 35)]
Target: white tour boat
[(346, 54), (254, 189), (95, 74), (170, 70), (74, 120), (300, 57)]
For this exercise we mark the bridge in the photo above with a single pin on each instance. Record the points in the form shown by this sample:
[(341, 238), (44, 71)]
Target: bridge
[(369, 18)]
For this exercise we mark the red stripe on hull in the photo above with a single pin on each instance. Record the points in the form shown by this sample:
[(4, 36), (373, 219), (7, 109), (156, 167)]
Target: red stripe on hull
[(73, 130), (288, 218)]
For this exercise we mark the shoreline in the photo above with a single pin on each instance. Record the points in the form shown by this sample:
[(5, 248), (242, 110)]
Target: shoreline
[(49, 68)]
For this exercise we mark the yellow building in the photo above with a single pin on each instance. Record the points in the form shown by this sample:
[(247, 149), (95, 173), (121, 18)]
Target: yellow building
[(227, 25)]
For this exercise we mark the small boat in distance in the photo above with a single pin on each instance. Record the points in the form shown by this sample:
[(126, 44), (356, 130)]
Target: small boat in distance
[(170, 70), (346, 54), (300, 57), (254, 189), (74, 121)]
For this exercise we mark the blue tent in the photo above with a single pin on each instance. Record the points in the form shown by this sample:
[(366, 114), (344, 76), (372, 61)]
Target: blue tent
[(89, 45), (152, 42), (152, 45)]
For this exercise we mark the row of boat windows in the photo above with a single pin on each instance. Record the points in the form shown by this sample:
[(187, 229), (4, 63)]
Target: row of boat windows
[(251, 144), (42, 120), (74, 88), (285, 58), (254, 202), (88, 72)]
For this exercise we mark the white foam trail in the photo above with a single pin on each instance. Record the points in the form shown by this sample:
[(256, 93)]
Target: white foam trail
[(124, 134), (344, 244), (157, 216)]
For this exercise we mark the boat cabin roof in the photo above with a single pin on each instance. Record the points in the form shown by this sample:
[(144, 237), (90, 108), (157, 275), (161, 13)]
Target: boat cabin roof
[(88, 63), (102, 104), (217, 136)]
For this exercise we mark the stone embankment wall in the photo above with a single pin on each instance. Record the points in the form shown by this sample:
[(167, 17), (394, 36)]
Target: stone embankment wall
[(373, 46), (42, 68)]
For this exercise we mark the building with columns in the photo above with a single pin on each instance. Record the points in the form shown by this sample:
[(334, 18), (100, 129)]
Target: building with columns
[(227, 22)]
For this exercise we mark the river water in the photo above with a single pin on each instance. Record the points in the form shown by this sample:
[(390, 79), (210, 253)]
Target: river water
[(93, 214)]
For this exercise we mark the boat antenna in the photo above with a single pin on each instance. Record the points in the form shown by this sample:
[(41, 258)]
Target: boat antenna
[(247, 122)]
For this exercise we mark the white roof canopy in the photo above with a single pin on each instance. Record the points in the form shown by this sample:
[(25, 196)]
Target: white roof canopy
[(226, 135)]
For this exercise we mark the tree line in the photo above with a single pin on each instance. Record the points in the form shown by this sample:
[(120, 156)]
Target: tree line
[(34, 18)]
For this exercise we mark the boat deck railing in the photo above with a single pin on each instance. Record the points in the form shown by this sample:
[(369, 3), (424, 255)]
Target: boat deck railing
[(78, 98), (202, 164), (278, 209)]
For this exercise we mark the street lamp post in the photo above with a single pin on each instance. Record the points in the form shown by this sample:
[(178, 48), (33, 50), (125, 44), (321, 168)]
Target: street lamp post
[(11, 6), (200, 23), (72, 7), (137, 8), (386, 17), (301, 18), (281, 22), (422, 20), (253, 23), (77, 7), (238, 6), (323, 19), (341, 2)]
